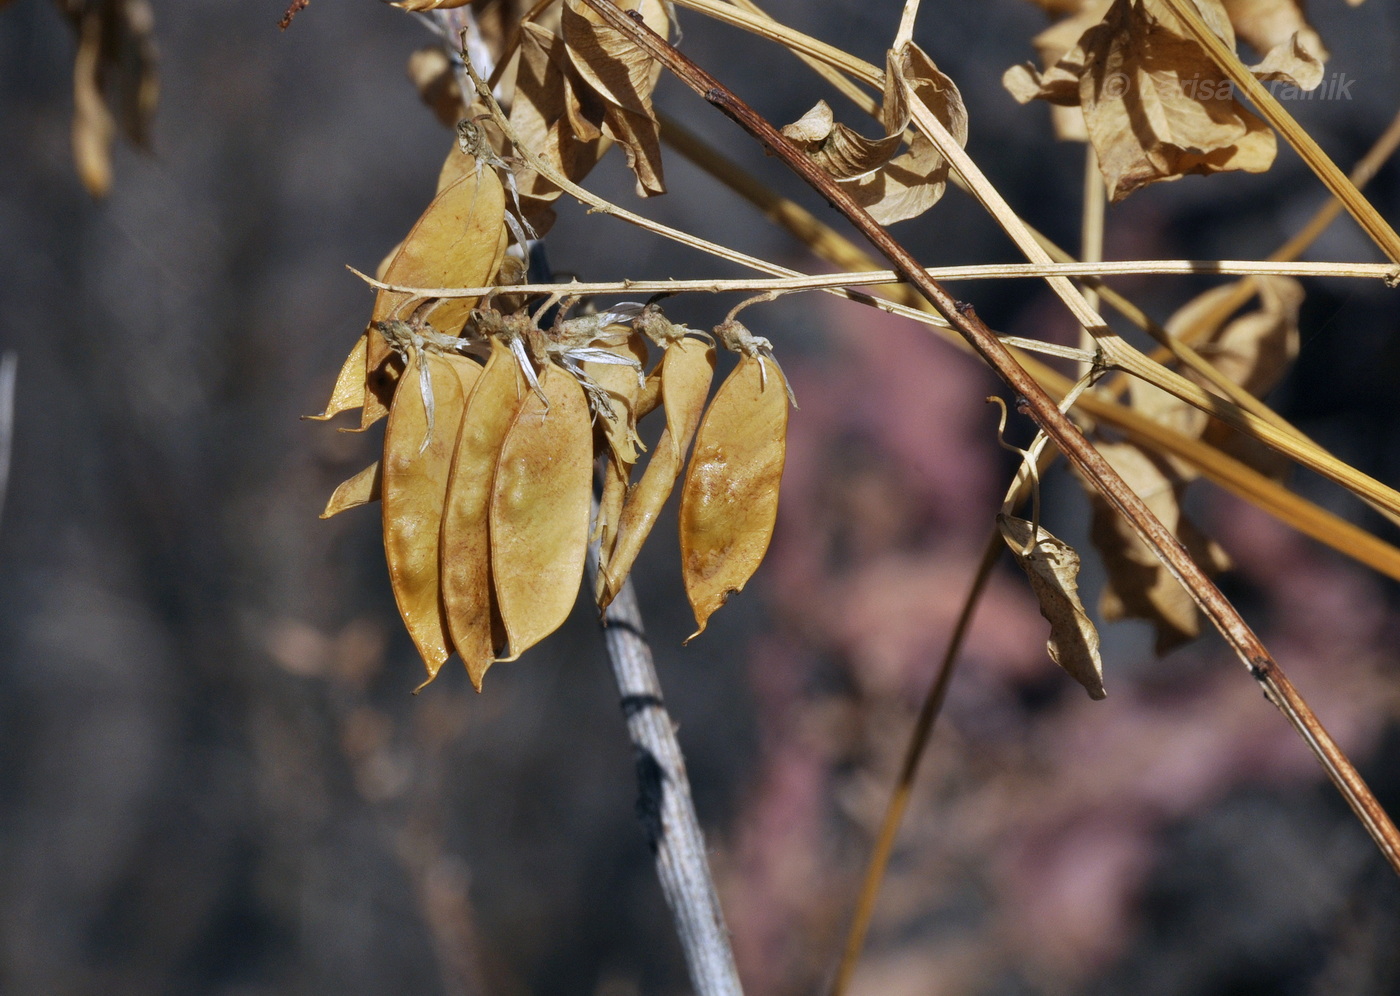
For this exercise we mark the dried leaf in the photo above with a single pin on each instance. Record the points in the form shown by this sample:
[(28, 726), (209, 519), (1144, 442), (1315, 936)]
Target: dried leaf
[(467, 591), (729, 502), (1254, 350), (1267, 24), (544, 113), (418, 454), (686, 372), (349, 390), (361, 489), (1053, 569), (836, 149), (1155, 105), (620, 74), (622, 385), (1139, 585), (891, 188), (539, 510)]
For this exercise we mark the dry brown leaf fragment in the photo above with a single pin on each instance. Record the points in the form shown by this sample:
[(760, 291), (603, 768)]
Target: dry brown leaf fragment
[(363, 488), (545, 113), (429, 4), (687, 368), (729, 501), (1053, 569), (892, 188), (539, 510), (465, 555), (1267, 24), (1139, 585), (349, 390), (1254, 349), (622, 76), (419, 443), (1155, 105)]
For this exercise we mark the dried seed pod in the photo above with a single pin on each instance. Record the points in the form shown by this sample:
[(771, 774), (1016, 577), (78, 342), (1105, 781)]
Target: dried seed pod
[(686, 371), (361, 489), (539, 510), (457, 242), (622, 385), (349, 390), (467, 591), (418, 447), (729, 502)]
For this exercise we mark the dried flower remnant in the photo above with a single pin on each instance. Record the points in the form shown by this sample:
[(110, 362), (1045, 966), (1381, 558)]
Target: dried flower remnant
[(362, 489), (1053, 569), (729, 501)]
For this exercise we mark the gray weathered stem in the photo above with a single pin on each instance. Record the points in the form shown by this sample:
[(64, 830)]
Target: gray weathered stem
[(664, 805)]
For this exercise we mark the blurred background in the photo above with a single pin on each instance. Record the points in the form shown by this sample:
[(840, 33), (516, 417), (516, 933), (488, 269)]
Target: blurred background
[(213, 778)]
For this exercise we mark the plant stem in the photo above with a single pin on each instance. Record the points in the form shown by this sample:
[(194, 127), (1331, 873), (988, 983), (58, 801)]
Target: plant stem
[(1037, 404), (664, 805)]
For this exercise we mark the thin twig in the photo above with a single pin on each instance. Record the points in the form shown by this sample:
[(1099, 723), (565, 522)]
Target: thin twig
[(904, 784), (868, 278), (664, 805), (1037, 404), (1230, 474)]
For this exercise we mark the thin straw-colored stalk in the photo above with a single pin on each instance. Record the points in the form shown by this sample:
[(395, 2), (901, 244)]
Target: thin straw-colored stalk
[(1233, 476), (904, 784), (1061, 431), (1304, 144), (869, 278)]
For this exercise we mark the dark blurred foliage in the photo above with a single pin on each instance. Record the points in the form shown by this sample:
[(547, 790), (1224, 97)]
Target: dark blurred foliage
[(213, 778)]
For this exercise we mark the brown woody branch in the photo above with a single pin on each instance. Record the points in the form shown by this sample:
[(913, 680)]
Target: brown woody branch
[(1037, 404)]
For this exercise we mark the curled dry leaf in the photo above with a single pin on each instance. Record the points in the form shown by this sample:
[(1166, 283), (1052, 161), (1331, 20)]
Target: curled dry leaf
[(1155, 105), (467, 592), (1254, 350), (359, 490), (539, 510), (729, 502), (1053, 569), (544, 113), (1139, 585), (457, 242), (621, 76), (419, 443), (892, 188), (349, 390), (686, 371)]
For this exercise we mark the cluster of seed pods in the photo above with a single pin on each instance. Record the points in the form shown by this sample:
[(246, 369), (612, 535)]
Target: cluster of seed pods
[(487, 475)]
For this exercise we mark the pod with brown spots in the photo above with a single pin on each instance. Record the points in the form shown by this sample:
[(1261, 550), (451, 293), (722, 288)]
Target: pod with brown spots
[(729, 502)]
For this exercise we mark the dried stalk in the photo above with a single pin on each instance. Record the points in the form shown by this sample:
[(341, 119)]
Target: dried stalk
[(1062, 432), (664, 806)]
